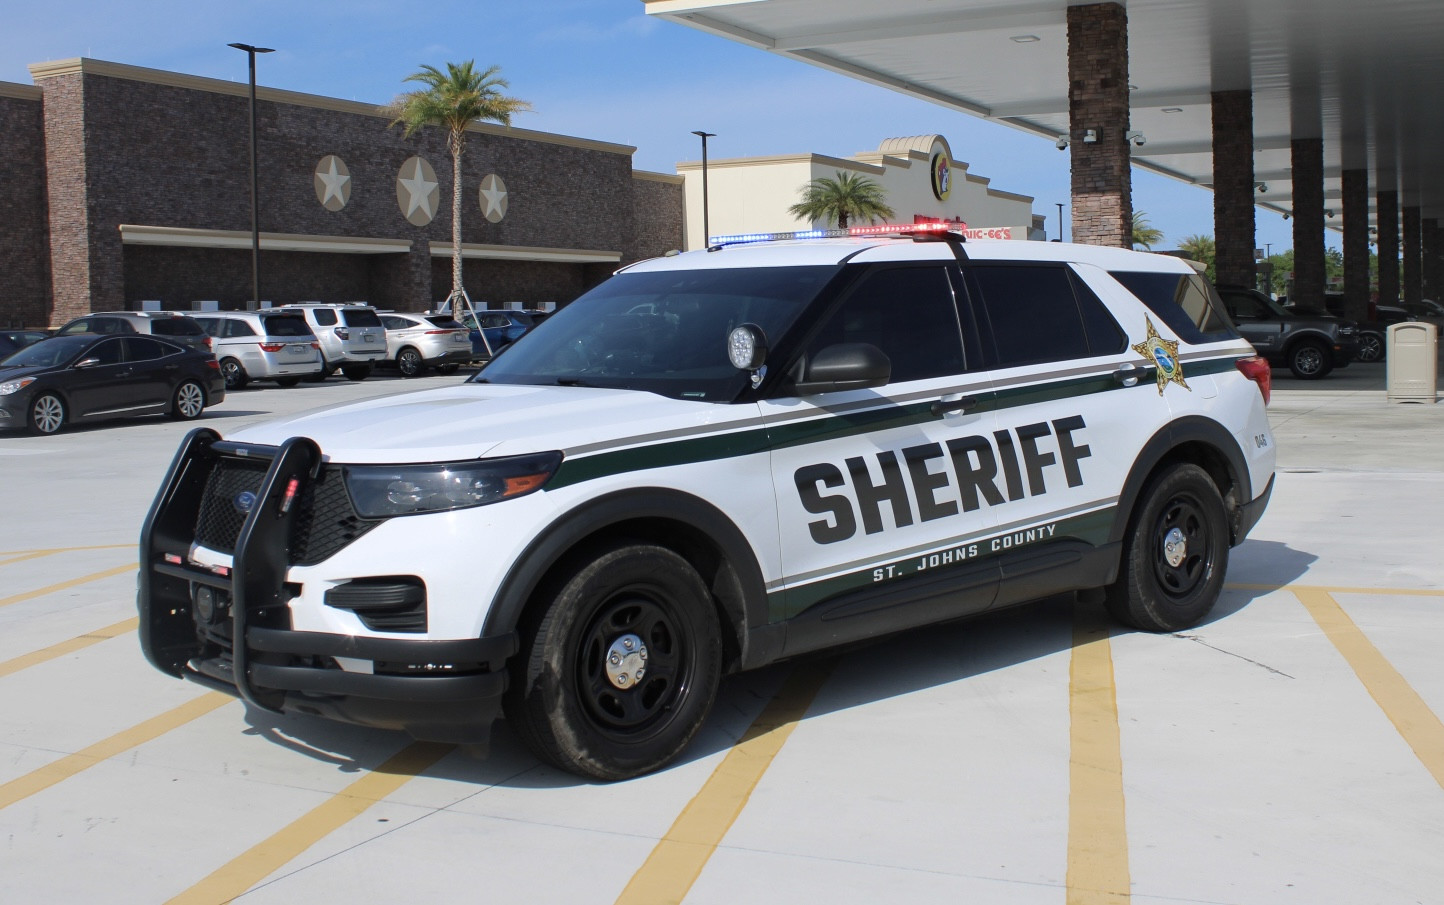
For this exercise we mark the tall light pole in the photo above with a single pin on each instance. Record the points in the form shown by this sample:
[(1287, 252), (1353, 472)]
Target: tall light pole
[(1060, 221), (255, 210), (706, 233)]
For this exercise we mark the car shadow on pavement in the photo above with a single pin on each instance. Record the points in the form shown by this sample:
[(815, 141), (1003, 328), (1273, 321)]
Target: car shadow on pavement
[(892, 667)]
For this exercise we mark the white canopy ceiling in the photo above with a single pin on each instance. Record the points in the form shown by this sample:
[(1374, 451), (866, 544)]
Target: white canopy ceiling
[(1366, 76)]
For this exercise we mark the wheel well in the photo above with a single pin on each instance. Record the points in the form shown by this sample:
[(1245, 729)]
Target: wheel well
[(693, 544), (1202, 442), (1208, 457)]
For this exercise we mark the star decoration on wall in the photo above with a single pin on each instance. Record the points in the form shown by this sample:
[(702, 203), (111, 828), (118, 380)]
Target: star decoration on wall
[(1164, 355), (417, 191), (333, 183), (493, 198)]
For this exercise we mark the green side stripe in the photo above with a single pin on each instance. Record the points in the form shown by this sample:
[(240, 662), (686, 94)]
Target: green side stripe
[(783, 436)]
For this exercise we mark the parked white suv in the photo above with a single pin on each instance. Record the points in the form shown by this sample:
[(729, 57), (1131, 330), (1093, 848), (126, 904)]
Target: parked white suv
[(711, 462), (416, 342), (351, 336), (262, 345)]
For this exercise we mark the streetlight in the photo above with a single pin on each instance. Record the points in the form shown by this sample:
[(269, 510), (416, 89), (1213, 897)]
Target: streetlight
[(706, 235), (1060, 221), (255, 221)]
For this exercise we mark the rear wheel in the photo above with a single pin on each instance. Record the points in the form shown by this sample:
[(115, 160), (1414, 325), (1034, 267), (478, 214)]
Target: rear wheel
[(1371, 347), (356, 372), (326, 371), (621, 670), (287, 381), (188, 402), (1174, 555), (234, 373), (408, 362), (447, 369), (1309, 360), (47, 414)]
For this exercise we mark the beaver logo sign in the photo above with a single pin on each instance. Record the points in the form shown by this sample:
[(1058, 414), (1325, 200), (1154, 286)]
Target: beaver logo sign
[(942, 176)]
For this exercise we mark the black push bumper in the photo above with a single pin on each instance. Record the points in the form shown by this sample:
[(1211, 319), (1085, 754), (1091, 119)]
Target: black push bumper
[(229, 629)]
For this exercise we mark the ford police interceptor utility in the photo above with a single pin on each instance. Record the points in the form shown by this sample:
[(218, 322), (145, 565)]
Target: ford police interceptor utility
[(710, 462)]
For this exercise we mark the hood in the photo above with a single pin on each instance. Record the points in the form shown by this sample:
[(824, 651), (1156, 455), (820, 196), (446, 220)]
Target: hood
[(472, 420), (8, 374)]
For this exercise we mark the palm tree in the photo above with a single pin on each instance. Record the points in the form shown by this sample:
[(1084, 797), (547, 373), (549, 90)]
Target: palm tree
[(846, 197), (1144, 236), (1199, 248), (454, 100)]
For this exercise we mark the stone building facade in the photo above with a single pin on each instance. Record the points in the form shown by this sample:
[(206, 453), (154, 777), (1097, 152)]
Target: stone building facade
[(125, 186)]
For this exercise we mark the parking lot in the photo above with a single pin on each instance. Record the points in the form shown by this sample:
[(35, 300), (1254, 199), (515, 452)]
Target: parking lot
[(1290, 750)]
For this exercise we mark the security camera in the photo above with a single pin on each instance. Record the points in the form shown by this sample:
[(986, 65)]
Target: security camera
[(1136, 137), (1262, 187), (1286, 215), (1062, 143)]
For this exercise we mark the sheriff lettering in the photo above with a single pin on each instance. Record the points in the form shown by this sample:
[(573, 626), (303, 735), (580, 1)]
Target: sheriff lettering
[(940, 480)]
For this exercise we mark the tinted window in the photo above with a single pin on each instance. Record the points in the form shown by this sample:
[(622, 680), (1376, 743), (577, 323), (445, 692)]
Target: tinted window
[(236, 328), (361, 317), (212, 325), (175, 326), (1182, 301), (1033, 313), (392, 322), (906, 312), (285, 325), (141, 348), (108, 352), (324, 316), (444, 321), (84, 325)]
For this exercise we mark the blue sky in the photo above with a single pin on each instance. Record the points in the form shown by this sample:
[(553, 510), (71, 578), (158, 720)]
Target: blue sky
[(592, 68)]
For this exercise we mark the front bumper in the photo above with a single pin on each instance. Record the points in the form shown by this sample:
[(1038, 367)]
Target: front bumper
[(229, 629)]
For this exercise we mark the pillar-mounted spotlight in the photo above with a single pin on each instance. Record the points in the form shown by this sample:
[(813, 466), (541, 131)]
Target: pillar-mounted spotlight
[(1090, 136)]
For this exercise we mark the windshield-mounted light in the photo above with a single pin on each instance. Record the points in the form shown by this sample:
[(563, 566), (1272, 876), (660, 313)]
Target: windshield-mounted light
[(383, 491)]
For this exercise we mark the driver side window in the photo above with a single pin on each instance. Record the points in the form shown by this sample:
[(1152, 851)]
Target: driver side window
[(908, 313)]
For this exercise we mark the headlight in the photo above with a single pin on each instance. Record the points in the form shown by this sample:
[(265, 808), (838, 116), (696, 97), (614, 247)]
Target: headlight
[(15, 386), (382, 491)]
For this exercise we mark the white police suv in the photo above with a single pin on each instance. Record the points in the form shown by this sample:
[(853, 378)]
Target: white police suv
[(710, 462)]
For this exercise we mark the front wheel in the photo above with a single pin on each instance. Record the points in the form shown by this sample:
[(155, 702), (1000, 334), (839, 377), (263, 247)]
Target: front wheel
[(1371, 347), (356, 372), (408, 362), (1175, 553), (188, 402), (621, 670), (47, 414), (1309, 361), (447, 370)]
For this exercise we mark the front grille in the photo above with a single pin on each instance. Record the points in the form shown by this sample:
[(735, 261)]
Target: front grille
[(325, 523)]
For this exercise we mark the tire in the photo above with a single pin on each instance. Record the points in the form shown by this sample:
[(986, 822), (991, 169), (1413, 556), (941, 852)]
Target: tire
[(188, 402), (1309, 360), (236, 376), (578, 713), (326, 371), (447, 370), (1161, 586), (356, 372), (46, 414), (409, 363), (1371, 347), (288, 381)]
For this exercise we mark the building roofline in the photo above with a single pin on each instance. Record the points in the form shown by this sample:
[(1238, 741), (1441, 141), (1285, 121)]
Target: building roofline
[(21, 92), (87, 66)]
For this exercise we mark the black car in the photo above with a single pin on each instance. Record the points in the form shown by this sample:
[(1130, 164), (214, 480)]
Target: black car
[(1373, 332), (1308, 344), (15, 340), (89, 377)]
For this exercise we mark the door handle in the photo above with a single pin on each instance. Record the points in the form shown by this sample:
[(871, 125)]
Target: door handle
[(944, 407), (1126, 376)]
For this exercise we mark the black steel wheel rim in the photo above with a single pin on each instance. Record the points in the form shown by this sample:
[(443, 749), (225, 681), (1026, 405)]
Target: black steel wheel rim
[(1182, 579), (650, 702)]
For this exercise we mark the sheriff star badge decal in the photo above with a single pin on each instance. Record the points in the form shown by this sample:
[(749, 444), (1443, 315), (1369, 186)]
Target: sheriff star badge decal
[(1164, 355)]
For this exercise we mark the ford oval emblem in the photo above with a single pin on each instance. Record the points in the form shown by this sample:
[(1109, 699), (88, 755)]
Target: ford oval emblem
[(244, 501)]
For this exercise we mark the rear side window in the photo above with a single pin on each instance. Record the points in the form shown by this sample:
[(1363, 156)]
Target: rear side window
[(1039, 313), (444, 321), (326, 317), (175, 326), (1183, 301), (361, 317), (285, 325), (235, 328), (143, 348)]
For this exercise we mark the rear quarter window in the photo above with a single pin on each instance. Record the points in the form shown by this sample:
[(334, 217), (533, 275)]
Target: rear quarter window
[(176, 326), (285, 325), (1183, 301), (361, 317)]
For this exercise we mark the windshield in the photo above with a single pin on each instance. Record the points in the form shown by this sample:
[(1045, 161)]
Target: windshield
[(662, 332), (58, 350)]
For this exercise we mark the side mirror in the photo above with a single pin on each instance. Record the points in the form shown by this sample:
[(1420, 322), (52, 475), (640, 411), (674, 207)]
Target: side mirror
[(845, 366), (87, 362)]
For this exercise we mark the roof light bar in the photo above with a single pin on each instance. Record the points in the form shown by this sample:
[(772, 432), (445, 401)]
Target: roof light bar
[(898, 229)]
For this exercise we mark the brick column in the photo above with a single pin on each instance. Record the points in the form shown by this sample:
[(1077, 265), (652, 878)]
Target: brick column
[(1386, 219), (70, 250), (1413, 278), (1356, 244), (1308, 167), (1233, 187), (1098, 101)]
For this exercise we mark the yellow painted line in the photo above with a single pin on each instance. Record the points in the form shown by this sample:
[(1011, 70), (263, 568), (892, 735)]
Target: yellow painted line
[(67, 647), (267, 857), (52, 773), (22, 557), (678, 859), (51, 589), (1398, 592), (1419, 725), (1097, 829), (34, 554)]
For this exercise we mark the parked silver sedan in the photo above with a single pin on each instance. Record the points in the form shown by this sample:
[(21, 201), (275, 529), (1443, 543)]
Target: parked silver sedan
[(415, 342)]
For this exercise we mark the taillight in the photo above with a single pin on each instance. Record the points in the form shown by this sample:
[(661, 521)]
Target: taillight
[(272, 347), (343, 333), (213, 364), (1257, 370), (210, 344), (315, 344)]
